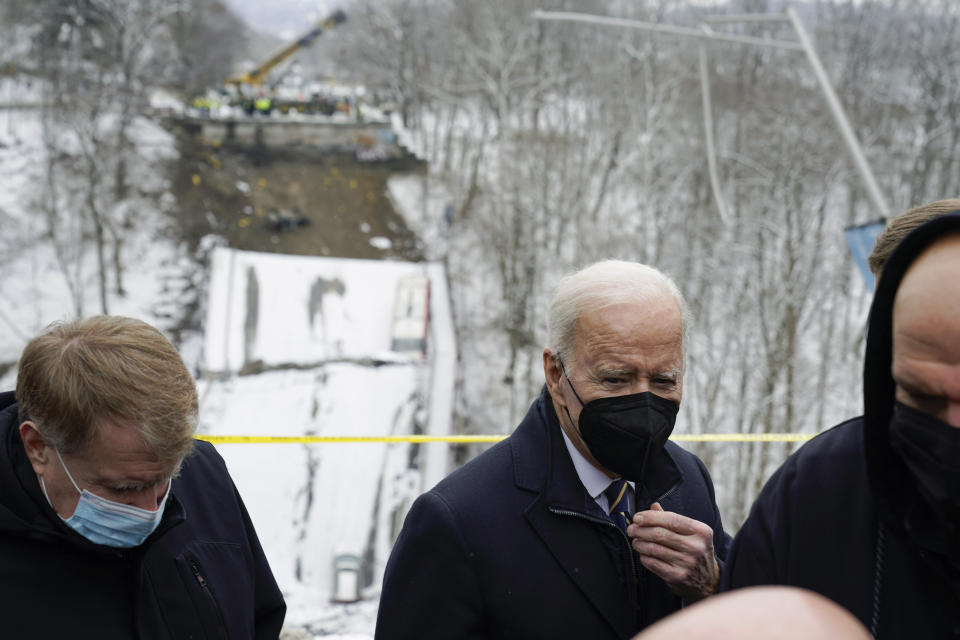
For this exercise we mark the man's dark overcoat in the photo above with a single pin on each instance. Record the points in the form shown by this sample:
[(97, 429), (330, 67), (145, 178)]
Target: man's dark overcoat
[(511, 545), (842, 516), (200, 575)]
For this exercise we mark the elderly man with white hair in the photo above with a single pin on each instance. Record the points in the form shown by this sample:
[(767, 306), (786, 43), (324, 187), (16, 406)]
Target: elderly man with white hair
[(586, 522)]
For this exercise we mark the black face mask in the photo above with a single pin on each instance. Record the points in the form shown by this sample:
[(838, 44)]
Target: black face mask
[(622, 432), (931, 450)]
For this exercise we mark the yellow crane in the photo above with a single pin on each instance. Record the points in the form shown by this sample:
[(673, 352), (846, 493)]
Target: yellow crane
[(255, 77)]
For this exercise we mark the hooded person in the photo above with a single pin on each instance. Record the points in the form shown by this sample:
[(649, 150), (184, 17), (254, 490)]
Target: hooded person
[(868, 513), (531, 538)]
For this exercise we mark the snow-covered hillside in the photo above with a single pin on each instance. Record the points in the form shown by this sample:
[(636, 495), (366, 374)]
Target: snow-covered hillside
[(326, 359), (321, 328), (35, 285)]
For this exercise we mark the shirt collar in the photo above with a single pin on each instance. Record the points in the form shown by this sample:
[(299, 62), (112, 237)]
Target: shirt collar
[(594, 480)]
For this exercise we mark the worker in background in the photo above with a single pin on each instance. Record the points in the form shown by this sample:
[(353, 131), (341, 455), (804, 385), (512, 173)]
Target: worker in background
[(202, 104), (263, 105)]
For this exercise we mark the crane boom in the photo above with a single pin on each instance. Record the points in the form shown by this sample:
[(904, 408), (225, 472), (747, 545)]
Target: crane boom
[(255, 77)]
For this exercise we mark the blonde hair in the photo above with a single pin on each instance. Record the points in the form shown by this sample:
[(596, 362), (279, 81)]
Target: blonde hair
[(79, 374), (901, 226)]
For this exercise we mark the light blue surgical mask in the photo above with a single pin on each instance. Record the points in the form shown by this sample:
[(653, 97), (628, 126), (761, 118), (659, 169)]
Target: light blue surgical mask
[(110, 523)]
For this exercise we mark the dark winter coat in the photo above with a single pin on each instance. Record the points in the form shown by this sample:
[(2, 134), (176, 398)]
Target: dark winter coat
[(841, 516), (200, 575), (511, 545)]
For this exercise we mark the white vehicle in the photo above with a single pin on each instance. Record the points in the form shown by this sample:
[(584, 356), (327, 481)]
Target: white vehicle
[(411, 316)]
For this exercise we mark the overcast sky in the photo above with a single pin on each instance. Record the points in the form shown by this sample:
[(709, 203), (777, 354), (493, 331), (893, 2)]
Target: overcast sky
[(285, 19)]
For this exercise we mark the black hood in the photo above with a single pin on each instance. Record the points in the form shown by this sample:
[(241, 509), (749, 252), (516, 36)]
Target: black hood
[(887, 472), (20, 510), (7, 399)]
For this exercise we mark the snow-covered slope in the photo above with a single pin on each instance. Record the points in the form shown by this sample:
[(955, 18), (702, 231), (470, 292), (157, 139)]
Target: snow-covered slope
[(329, 318)]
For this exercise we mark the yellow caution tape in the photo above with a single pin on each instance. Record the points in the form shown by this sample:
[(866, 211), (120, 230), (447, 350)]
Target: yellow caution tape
[(742, 437), (323, 439), (700, 437)]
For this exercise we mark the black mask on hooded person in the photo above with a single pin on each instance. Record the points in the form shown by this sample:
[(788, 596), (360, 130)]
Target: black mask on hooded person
[(908, 453), (623, 432), (930, 449)]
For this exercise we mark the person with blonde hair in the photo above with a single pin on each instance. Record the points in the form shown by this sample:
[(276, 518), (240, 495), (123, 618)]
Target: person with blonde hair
[(114, 522), (900, 227)]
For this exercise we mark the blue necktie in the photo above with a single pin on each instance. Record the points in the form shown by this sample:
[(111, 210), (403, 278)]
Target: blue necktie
[(619, 505)]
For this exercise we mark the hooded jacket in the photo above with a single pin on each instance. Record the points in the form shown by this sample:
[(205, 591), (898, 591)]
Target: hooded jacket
[(201, 575), (842, 516), (511, 545)]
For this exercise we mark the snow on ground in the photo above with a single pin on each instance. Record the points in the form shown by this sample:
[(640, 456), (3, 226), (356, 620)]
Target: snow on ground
[(282, 309), (312, 502), (20, 91), (320, 328), (427, 207), (308, 502), (34, 286)]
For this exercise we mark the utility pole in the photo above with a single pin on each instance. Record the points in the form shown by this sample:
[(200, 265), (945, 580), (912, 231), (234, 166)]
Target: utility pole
[(849, 137), (705, 35)]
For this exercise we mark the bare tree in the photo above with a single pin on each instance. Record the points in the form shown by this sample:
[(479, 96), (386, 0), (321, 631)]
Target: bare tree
[(560, 144), (97, 60)]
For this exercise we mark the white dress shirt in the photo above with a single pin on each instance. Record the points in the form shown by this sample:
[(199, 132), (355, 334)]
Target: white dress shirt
[(594, 480)]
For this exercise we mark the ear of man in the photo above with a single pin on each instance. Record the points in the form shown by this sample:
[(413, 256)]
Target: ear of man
[(35, 446), (553, 373)]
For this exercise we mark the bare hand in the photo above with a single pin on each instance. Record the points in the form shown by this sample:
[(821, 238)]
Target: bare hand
[(678, 549)]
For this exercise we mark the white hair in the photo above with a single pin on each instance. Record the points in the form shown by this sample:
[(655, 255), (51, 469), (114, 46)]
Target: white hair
[(601, 285)]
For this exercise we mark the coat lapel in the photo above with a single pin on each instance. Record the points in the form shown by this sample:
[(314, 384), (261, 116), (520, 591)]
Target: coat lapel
[(578, 549), (561, 515)]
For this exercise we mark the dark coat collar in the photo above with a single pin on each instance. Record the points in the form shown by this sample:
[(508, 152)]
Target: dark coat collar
[(592, 554)]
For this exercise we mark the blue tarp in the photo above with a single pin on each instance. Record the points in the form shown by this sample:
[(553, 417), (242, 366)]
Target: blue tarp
[(860, 240)]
